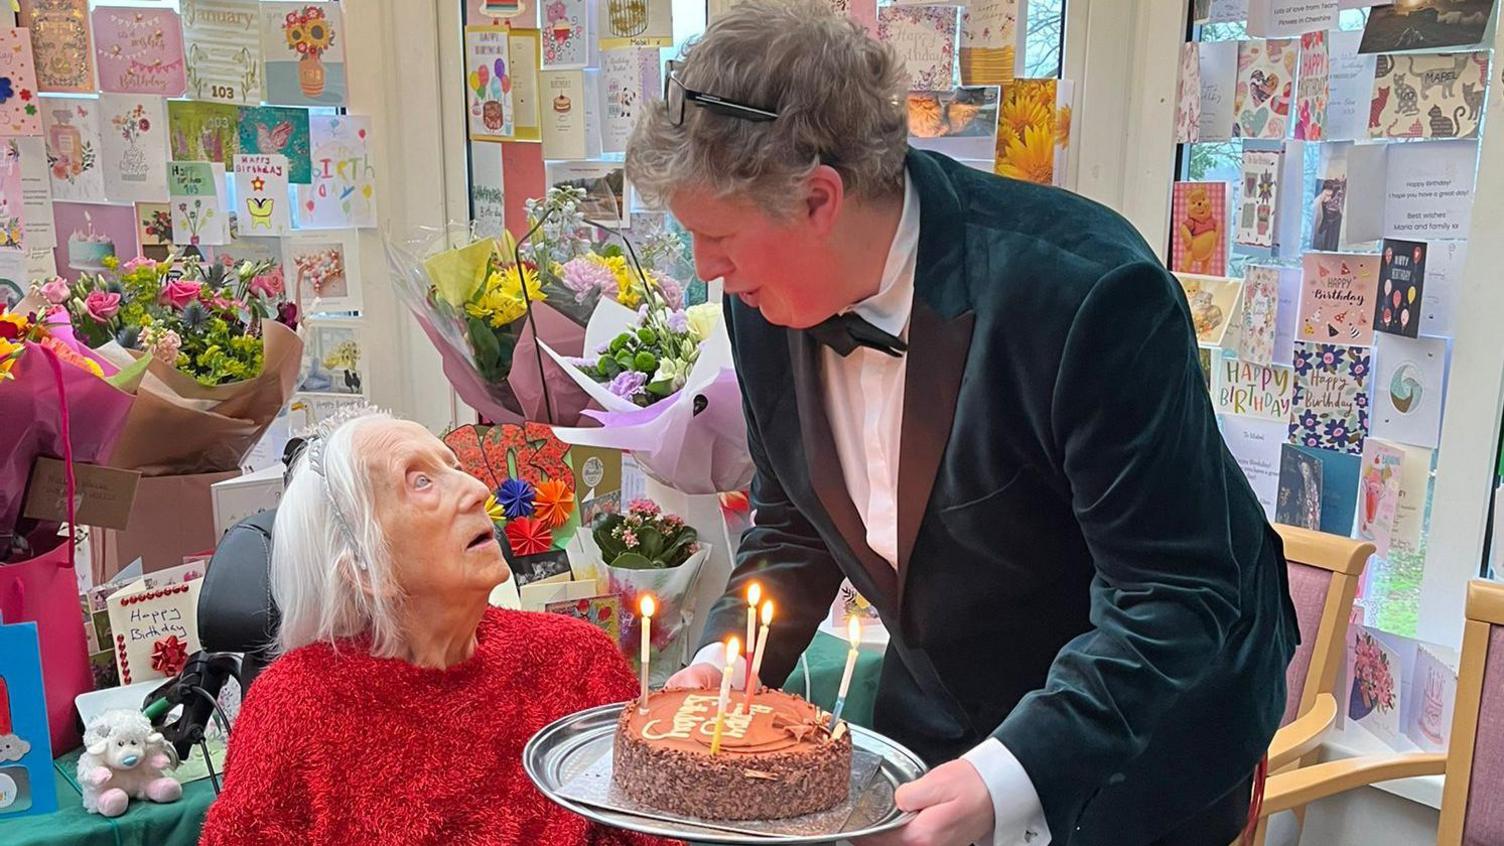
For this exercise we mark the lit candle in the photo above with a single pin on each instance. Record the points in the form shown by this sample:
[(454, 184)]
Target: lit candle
[(853, 634), (645, 610), (754, 595), (733, 649), (762, 643)]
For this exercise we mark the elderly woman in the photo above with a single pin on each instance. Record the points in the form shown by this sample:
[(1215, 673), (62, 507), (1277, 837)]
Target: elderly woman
[(398, 710)]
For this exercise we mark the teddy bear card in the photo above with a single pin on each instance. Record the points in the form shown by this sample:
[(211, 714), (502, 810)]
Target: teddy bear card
[(1198, 242), (1214, 303), (26, 783)]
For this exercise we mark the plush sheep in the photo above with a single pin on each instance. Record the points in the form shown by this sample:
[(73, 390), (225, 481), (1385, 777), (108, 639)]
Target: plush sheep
[(125, 758)]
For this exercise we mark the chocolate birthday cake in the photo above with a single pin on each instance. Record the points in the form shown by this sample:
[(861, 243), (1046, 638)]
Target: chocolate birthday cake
[(779, 761)]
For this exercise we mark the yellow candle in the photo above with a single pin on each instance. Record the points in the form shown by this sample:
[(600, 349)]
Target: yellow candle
[(754, 595), (645, 609), (762, 642), (733, 649)]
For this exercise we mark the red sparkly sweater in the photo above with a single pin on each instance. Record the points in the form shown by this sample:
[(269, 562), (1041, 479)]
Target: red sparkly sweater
[(337, 747)]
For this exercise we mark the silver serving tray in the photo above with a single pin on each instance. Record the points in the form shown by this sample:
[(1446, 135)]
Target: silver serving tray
[(571, 747)]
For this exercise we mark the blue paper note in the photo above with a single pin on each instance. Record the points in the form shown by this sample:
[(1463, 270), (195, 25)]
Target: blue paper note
[(26, 783)]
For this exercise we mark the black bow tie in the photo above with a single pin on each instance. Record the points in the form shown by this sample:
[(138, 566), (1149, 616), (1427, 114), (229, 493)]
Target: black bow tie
[(845, 332)]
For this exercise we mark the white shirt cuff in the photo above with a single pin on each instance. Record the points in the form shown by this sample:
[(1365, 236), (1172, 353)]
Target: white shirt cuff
[(715, 655), (1018, 816)]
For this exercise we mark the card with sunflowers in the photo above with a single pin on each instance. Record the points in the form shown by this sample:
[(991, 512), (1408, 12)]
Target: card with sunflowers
[(1034, 130), (304, 48)]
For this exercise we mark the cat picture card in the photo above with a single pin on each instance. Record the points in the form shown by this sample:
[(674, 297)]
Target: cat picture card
[(1338, 293), (1432, 95)]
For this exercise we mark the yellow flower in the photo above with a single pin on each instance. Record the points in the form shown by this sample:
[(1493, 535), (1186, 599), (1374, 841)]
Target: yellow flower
[(627, 292), (17, 320), (9, 352), (1063, 127), (110, 262), (1022, 112), (1032, 159), (500, 300)]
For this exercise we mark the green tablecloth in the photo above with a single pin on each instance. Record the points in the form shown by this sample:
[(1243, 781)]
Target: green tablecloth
[(144, 824), (826, 659)]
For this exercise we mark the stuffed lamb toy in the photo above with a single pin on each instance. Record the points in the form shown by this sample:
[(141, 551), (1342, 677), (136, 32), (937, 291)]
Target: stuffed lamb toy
[(125, 758)]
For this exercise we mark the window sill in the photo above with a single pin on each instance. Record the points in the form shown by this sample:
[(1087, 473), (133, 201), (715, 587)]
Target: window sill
[(1354, 741)]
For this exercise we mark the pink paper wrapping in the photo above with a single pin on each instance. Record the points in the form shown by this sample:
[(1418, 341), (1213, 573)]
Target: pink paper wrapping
[(568, 400)]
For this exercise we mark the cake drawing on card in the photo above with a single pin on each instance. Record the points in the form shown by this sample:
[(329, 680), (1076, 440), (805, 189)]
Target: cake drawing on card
[(1432, 708), (87, 249)]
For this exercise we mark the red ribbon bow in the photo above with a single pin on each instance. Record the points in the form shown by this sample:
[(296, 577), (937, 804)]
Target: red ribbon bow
[(168, 655)]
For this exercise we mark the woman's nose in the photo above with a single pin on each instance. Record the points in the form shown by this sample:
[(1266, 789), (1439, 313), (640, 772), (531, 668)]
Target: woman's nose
[(473, 492)]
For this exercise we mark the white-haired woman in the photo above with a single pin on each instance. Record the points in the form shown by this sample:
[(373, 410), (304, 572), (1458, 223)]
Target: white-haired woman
[(398, 710)]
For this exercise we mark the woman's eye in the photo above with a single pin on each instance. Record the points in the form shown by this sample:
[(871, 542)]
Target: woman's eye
[(421, 481)]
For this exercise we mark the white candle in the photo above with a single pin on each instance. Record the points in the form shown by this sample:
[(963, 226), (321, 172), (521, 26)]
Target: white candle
[(733, 649), (762, 643), (645, 608), (853, 634), (754, 595)]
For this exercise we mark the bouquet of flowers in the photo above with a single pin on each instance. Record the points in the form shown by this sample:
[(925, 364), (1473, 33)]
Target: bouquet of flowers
[(644, 538)]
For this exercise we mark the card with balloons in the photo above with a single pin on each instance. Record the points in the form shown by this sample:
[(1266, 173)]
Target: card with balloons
[(488, 85)]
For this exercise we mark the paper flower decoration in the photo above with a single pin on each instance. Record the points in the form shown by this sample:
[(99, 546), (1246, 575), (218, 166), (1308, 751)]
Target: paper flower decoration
[(554, 503), (494, 510), (529, 536), (516, 498), (168, 655)]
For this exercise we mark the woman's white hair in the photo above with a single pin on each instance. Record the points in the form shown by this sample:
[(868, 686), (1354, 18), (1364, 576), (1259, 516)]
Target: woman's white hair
[(331, 570), (840, 96)]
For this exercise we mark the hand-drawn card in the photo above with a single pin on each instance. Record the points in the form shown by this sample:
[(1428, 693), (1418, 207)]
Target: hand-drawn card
[(961, 123), (568, 33), (203, 132), (303, 45), (12, 197), (1298, 502), (1198, 242), (603, 612), (989, 41), (334, 360), (261, 194), (1217, 68), (199, 215), (1408, 390), (36, 195), (322, 270), (1257, 445), (1266, 82), (155, 630), (1290, 18), (26, 775), (133, 130), (71, 126), (222, 48), (926, 38), (1260, 318), (1444, 260), (1252, 390), (1337, 296), (488, 83), (1188, 94), (639, 23), (19, 114), (1331, 397), (343, 190), (630, 80), (1431, 25), (1213, 301), (1402, 279), (91, 232), (271, 130), (1330, 200), (1259, 198), (1379, 492), (154, 230), (1434, 95), (139, 51), (60, 42), (605, 189), (1311, 92)]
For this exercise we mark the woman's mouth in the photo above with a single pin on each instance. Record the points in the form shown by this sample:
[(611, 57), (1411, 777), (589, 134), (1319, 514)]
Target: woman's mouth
[(481, 539)]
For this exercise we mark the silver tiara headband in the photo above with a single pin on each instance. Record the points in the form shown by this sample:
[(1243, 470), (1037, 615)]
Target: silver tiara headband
[(317, 442)]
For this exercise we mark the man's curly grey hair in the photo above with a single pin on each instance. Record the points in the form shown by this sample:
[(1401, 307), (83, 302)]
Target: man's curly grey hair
[(840, 97)]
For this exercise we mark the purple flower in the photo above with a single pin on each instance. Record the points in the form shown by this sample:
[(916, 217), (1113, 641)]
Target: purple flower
[(1336, 431), (1308, 420), (628, 384), (585, 276), (1358, 368), (1360, 401), (677, 322), (673, 292)]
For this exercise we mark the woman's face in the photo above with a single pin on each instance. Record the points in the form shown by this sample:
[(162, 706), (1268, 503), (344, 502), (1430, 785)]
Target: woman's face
[(432, 513)]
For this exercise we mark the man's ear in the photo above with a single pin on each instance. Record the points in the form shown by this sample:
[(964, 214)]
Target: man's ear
[(824, 197)]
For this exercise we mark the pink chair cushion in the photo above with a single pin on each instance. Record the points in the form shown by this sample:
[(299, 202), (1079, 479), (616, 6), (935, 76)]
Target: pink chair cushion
[(1308, 588), (1483, 824)]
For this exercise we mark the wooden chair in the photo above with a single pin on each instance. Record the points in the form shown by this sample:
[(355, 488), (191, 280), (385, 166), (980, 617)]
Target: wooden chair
[(1475, 757)]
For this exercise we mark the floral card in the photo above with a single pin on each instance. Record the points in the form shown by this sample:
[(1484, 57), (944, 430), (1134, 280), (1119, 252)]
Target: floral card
[(1408, 391), (1213, 302), (1260, 317), (1258, 199), (19, 114), (1252, 390), (343, 190), (603, 612), (60, 42), (199, 214), (12, 196), (271, 130), (925, 38), (134, 147), (323, 272), (1374, 698), (303, 45), (1311, 91), (155, 629), (1033, 148), (222, 50), (1379, 492), (1266, 81), (139, 51), (334, 360), (488, 82), (154, 230), (261, 194), (71, 126), (1188, 94), (89, 233), (630, 80), (568, 34), (1402, 279), (1198, 240), (1331, 397), (989, 42), (1337, 296), (1429, 26), (1433, 95), (1257, 445), (203, 132), (1298, 502)]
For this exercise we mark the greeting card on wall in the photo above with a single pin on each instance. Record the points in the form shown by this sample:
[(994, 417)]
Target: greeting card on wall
[(1188, 94), (989, 42), (1379, 492), (925, 38), (26, 775), (1337, 296), (604, 184), (1298, 502), (1217, 68), (1349, 84), (1266, 81), (92, 232), (630, 80), (1428, 191), (222, 50), (1033, 149), (203, 132), (1426, 26), (1260, 317), (36, 194), (568, 31), (60, 43), (304, 48), (1402, 278), (253, 249), (322, 272), (72, 131), (1444, 260), (1198, 241), (199, 216), (1415, 480), (1436, 95), (487, 191), (488, 85), (1434, 688), (269, 130), (1258, 199), (1331, 397), (12, 197), (518, 13), (19, 114), (1311, 91), (343, 192), (261, 194), (961, 123), (524, 51), (569, 119), (154, 230), (863, 12), (155, 629), (134, 147), (1257, 444), (1330, 200), (1252, 390), (333, 356), (636, 23), (1286, 314), (1213, 301), (140, 51), (1408, 390), (1284, 18)]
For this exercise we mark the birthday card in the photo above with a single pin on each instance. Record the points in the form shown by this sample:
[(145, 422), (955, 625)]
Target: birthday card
[(1257, 445), (334, 356), (1376, 682), (71, 126), (1260, 315), (568, 34), (961, 123), (134, 147), (1213, 301), (155, 629), (222, 50), (1408, 390), (1331, 397), (1337, 297), (1402, 279), (272, 130), (61, 44), (1217, 70), (1433, 95), (1349, 84), (322, 271), (12, 202), (1265, 84), (1379, 492), (989, 41), (570, 114), (343, 188), (1198, 234), (1259, 198), (1254, 390), (1298, 502), (91, 233), (19, 114), (488, 83), (1311, 92), (203, 132), (926, 39), (1430, 26), (26, 782), (303, 46), (196, 197), (1188, 95), (139, 50), (261, 194), (630, 79)]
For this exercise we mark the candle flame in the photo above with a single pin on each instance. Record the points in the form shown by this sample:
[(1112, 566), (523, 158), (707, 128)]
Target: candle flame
[(733, 650), (767, 612), (647, 606), (854, 631), (754, 593)]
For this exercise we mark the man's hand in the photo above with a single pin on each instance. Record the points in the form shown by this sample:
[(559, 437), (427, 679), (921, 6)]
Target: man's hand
[(695, 677), (955, 809)]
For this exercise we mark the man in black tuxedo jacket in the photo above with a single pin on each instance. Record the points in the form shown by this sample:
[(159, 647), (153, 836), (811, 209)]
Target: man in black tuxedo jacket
[(979, 400)]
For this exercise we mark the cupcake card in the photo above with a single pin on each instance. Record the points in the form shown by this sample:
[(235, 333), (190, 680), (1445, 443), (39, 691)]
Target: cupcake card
[(570, 114), (568, 34), (133, 130), (926, 39), (139, 50)]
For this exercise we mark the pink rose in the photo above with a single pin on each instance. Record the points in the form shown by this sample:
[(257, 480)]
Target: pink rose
[(179, 294), (102, 305), (268, 285), (133, 264), (55, 290)]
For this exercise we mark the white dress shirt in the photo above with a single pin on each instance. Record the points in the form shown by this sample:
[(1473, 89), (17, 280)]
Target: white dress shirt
[(864, 403)]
